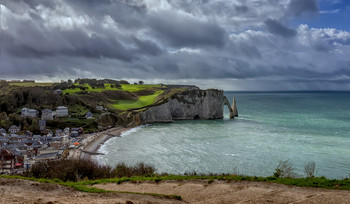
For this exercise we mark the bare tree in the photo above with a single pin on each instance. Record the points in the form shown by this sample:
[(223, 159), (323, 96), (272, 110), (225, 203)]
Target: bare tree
[(284, 170), (310, 169)]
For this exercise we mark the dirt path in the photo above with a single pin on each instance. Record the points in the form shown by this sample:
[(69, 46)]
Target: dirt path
[(235, 192), (22, 191)]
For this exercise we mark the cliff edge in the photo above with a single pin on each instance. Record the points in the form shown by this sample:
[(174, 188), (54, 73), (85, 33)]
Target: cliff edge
[(187, 105)]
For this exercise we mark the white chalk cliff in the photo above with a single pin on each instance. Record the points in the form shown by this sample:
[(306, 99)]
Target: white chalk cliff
[(188, 105)]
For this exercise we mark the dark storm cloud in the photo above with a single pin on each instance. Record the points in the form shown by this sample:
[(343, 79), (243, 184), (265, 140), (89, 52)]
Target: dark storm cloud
[(299, 7), (174, 39), (278, 28), (179, 31)]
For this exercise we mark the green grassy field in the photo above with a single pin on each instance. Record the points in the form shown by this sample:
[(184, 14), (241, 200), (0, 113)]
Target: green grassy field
[(125, 104), (136, 104), (31, 84), (124, 87)]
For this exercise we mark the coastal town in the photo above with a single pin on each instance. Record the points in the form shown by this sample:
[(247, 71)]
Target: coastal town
[(19, 149)]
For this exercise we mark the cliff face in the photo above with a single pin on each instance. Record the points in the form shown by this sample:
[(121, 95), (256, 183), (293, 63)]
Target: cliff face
[(187, 105)]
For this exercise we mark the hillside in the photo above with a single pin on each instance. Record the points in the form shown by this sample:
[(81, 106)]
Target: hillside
[(111, 102)]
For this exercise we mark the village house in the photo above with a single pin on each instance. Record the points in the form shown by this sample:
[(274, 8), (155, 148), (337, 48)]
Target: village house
[(14, 129), (66, 130), (65, 140), (36, 137), (26, 112), (89, 115), (62, 111), (42, 125), (55, 145), (59, 133), (58, 91), (10, 159), (2, 130), (99, 108), (46, 114), (75, 132)]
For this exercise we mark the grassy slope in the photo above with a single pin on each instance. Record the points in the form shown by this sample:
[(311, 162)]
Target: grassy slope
[(124, 87), (142, 101), (135, 104)]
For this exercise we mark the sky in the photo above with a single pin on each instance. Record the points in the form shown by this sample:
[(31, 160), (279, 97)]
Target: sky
[(241, 45)]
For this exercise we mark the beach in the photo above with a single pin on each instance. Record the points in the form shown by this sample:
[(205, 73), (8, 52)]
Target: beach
[(91, 143)]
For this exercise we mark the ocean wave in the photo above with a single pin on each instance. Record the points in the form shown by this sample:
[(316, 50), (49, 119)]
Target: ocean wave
[(131, 131)]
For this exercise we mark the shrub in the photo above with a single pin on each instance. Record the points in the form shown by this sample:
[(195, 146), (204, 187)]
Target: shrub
[(284, 170), (140, 169), (310, 169), (69, 170), (76, 170)]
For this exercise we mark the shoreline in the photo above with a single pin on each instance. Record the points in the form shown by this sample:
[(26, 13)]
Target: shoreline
[(92, 143)]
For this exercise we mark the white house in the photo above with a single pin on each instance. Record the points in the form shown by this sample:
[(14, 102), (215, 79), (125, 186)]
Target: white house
[(14, 129), (62, 111), (26, 112), (89, 115), (46, 114)]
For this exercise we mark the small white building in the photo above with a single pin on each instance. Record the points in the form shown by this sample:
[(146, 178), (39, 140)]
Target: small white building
[(14, 129), (89, 115), (46, 114), (62, 111), (99, 108), (26, 112)]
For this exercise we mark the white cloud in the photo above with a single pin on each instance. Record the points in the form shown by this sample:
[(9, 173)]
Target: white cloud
[(334, 11)]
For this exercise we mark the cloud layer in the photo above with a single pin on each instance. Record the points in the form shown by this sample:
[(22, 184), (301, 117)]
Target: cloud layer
[(225, 44)]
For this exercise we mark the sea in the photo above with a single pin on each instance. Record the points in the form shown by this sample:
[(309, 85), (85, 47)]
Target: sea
[(298, 127)]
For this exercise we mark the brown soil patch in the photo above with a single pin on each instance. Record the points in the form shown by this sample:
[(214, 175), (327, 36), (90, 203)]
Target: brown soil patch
[(234, 192), (22, 191)]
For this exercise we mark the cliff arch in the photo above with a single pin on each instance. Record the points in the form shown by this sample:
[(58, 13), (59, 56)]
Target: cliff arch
[(233, 108)]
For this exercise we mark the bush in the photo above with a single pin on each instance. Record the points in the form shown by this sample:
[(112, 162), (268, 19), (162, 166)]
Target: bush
[(310, 169), (76, 170), (140, 169), (284, 170), (69, 170)]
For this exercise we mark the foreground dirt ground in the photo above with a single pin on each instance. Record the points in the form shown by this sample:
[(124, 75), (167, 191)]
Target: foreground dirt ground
[(21, 191), (235, 192)]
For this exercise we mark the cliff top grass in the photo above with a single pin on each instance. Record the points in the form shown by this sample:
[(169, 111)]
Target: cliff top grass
[(46, 84), (136, 104), (108, 87)]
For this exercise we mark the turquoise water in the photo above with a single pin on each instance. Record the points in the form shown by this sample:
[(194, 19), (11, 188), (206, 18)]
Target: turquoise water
[(299, 127)]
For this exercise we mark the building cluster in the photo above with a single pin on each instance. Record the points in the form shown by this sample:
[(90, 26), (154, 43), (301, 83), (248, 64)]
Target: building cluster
[(46, 114), (18, 152)]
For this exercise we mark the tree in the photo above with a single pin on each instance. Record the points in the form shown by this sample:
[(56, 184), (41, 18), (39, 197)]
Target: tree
[(310, 169), (140, 82)]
